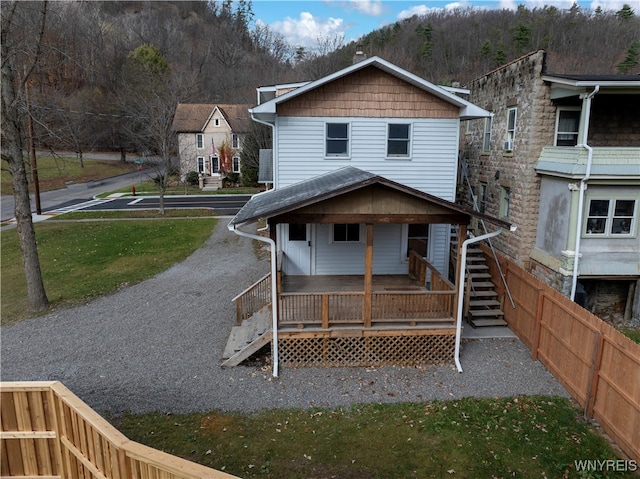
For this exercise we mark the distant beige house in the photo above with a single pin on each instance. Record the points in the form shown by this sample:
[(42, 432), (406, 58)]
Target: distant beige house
[(202, 130)]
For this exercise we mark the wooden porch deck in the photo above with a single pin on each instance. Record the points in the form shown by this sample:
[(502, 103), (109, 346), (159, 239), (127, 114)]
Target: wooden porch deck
[(332, 321)]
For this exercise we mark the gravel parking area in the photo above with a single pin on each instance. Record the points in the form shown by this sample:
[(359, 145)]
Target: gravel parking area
[(157, 346)]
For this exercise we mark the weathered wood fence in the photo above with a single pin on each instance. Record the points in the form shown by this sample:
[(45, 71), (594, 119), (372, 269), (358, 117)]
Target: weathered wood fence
[(49, 432), (598, 365)]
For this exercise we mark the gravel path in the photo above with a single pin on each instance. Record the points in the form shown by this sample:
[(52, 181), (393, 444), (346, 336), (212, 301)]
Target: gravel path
[(157, 346)]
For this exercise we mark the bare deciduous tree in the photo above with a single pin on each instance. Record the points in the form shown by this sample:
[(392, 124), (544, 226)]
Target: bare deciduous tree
[(16, 40)]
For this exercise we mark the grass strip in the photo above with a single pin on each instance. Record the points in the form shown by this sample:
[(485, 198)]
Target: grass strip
[(128, 214), (55, 172), (84, 260), (470, 438)]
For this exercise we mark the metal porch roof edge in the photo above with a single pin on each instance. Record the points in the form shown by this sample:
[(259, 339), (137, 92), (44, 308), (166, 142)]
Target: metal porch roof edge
[(343, 180)]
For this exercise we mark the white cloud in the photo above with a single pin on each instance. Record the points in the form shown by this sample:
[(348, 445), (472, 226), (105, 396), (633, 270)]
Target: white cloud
[(372, 8), (425, 10), (306, 30)]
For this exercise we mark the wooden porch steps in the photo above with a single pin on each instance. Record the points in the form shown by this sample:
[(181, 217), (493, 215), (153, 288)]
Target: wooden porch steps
[(247, 338), (483, 308)]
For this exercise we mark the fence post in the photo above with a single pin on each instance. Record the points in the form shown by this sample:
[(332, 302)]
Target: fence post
[(538, 325), (594, 375)]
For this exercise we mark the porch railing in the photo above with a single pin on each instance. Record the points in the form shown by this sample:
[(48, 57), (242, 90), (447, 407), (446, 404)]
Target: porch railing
[(427, 274), (327, 310), (253, 299)]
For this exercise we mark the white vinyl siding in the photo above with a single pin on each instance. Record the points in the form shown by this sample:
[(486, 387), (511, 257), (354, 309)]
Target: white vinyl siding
[(432, 167), (348, 258)]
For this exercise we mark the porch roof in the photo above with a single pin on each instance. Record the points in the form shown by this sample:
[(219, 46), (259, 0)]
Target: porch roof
[(284, 204)]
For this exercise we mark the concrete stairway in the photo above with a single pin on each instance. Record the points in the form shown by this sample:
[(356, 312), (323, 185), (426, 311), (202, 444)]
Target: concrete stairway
[(247, 338)]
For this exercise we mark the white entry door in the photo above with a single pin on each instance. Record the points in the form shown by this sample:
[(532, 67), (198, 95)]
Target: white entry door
[(298, 249)]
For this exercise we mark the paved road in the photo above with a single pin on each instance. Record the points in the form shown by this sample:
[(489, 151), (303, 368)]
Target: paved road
[(73, 194)]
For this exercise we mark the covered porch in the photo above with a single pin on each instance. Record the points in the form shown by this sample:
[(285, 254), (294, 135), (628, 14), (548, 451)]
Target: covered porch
[(357, 319)]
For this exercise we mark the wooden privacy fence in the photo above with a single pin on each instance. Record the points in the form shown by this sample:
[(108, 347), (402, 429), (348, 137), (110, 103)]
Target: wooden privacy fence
[(598, 365), (49, 432)]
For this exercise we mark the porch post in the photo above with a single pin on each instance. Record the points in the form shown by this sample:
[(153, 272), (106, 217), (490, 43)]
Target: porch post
[(368, 277)]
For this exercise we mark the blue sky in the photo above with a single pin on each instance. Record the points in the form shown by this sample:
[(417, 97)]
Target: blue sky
[(302, 22)]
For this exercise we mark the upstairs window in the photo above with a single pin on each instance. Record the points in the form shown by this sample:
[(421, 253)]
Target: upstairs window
[(611, 217), (235, 141), (346, 233), (567, 126), (216, 122), (398, 141), (505, 201), (337, 143), (486, 139), (199, 141), (510, 139)]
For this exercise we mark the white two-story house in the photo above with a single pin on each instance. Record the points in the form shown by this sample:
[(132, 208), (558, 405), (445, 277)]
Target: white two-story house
[(364, 171)]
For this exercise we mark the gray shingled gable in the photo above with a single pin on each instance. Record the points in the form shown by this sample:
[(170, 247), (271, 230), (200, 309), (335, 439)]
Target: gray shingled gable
[(274, 202)]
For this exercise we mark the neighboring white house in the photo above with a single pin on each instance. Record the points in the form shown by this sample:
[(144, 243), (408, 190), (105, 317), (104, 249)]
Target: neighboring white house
[(202, 130), (375, 117), (359, 219)]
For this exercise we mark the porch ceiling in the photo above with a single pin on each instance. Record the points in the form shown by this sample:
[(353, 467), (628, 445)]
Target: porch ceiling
[(351, 195)]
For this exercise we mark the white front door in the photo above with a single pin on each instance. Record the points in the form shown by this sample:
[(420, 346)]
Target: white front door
[(298, 249)]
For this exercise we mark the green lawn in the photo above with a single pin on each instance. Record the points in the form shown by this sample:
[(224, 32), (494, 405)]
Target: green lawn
[(528, 437), (83, 260), (54, 172), (634, 334)]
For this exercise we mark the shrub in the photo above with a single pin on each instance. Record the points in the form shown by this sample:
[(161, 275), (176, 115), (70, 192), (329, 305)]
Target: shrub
[(192, 178)]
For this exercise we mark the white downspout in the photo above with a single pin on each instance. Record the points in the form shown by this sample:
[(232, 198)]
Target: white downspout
[(463, 262), (583, 187), (274, 291)]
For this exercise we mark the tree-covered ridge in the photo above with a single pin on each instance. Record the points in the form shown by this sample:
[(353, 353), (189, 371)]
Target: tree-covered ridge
[(464, 44)]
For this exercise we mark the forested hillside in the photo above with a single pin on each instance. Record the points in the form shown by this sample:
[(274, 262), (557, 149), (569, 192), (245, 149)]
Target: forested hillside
[(464, 44), (86, 86)]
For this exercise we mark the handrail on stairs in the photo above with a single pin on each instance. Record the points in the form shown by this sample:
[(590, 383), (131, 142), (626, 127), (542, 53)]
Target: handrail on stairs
[(484, 228)]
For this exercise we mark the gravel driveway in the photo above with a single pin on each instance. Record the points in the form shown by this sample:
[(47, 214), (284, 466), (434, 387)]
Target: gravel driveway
[(157, 346)]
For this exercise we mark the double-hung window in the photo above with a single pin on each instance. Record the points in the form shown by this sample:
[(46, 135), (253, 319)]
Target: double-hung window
[(486, 139), (235, 141), (611, 217), (510, 138), (199, 141), (346, 233), (236, 164), (399, 140), (201, 164), (337, 140), (567, 126)]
